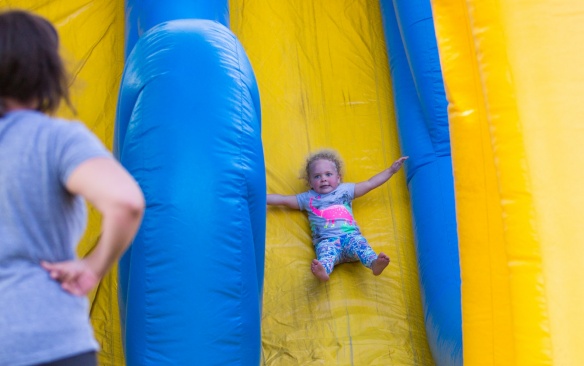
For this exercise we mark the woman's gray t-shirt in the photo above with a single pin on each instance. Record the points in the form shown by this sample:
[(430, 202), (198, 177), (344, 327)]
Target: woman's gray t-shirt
[(40, 220)]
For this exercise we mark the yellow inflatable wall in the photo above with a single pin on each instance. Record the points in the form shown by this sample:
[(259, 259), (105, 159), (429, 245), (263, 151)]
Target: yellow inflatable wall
[(514, 80)]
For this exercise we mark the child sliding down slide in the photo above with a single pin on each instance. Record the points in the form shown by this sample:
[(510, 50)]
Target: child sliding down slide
[(335, 234)]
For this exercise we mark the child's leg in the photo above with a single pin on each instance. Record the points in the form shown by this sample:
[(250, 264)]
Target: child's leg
[(358, 247), (327, 253)]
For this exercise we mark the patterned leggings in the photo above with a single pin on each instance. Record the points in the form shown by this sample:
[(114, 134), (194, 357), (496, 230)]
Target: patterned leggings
[(346, 248)]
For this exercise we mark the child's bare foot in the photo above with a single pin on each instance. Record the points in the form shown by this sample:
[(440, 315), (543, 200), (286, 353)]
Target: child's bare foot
[(379, 264), (318, 270)]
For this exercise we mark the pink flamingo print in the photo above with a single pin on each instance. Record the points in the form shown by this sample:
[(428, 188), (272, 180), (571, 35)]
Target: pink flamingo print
[(332, 213)]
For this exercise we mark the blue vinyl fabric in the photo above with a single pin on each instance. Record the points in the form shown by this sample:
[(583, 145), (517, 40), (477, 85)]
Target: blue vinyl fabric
[(422, 120), (188, 129), (141, 15)]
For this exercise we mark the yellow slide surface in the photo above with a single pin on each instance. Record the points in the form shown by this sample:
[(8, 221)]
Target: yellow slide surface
[(323, 76)]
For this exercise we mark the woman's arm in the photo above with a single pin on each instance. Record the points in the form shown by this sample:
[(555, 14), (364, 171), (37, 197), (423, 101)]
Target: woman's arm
[(283, 200), (116, 195), (365, 187)]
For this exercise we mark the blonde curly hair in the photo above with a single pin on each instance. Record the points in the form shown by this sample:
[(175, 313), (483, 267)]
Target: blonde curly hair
[(323, 154)]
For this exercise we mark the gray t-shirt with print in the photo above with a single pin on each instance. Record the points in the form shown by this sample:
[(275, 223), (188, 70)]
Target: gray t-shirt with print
[(331, 214), (40, 220)]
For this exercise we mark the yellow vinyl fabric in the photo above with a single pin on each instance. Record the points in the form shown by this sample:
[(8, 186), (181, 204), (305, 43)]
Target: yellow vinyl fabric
[(513, 76), (323, 77), (485, 279), (91, 34)]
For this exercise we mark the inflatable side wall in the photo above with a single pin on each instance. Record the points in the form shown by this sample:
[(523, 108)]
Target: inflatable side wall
[(514, 78), (423, 127), (188, 129)]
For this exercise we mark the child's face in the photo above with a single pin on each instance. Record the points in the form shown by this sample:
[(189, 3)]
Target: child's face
[(324, 177)]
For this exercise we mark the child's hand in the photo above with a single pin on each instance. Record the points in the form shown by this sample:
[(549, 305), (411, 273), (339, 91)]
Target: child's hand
[(398, 164)]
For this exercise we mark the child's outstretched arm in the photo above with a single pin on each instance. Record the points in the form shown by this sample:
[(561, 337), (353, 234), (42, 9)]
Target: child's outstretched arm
[(362, 188), (283, 200)]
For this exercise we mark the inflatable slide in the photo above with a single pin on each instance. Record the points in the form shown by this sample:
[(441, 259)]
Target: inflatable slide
[(188, 128), (214, 103), (188, 117)]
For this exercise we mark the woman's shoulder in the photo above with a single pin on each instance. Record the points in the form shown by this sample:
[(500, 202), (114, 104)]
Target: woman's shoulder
[(34, 119), (60, 133), (65, 129)]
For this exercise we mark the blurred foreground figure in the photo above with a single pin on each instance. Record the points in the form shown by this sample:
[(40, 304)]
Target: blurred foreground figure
[(48, 166)]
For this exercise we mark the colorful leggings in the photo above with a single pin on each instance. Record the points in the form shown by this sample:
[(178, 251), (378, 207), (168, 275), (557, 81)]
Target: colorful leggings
[(346, 248)]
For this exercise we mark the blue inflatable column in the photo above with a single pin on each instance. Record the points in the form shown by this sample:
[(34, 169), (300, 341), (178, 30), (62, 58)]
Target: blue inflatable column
[(422, 121), (141, 15), (188, 129)]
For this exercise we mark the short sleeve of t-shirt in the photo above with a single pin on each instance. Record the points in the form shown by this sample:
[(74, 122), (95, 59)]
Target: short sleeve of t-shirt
[(76, 144), (303, 199)]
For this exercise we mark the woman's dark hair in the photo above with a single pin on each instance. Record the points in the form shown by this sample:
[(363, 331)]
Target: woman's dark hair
[(31, 69)]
